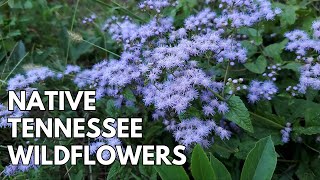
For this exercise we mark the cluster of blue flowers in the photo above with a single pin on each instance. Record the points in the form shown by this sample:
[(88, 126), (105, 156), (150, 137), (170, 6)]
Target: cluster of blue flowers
[(13, 169), (303, 45), (261, 90), (273, 72), (5, 114), (90, 19), (195, 131), (286, 133)]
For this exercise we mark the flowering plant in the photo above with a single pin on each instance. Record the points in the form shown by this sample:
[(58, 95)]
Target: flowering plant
[(234, 81)]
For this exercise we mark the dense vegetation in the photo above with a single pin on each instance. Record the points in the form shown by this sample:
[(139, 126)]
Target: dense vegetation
[(235, 81)]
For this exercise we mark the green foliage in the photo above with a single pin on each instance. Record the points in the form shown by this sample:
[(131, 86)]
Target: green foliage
[(201, 168), (219, 169), (259, 66), (239, 114), (171, 172), (261, 161), (274, 51)]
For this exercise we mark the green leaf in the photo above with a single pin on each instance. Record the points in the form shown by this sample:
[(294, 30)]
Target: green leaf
[(20, 51), (274, 50), (14, 33), (114, 170), (111, 109), (292, 66), (219, 169), (255, 35), (128, 94), (200, 165), (307, 110), (11, 3), (171, 172), (28, 5), (239, 114), (288, 16), (77, 50), (251, 48), (259, 66), (246, 144), (261, 161)]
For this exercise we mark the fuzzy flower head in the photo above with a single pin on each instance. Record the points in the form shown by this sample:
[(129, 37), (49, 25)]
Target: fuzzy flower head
[(261, 90), (195, 131)]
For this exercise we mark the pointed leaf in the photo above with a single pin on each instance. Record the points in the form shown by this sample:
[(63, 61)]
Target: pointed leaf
[(171, 172), (200, 165), (219, 169), (239, 114), (261, 161), (258, 66)]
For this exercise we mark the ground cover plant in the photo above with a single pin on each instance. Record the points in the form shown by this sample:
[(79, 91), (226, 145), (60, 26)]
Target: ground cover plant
[(235, 81)]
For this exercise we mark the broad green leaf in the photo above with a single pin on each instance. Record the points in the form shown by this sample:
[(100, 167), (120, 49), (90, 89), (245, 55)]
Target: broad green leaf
[(200, 165), (239, 114), (292, 66), (255, 35), (274, 50), (219, 169), (258, 66), (261, 161), (307, 110), (171, 172), (288, 16)]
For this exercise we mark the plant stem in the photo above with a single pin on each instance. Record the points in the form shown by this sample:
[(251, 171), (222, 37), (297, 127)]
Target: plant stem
[(8, 57), (16, 66), (71, 28), (4, 3), (101, 48), (287, 161), (312, 148), (225, 78), (217, 94), (121, 8)]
